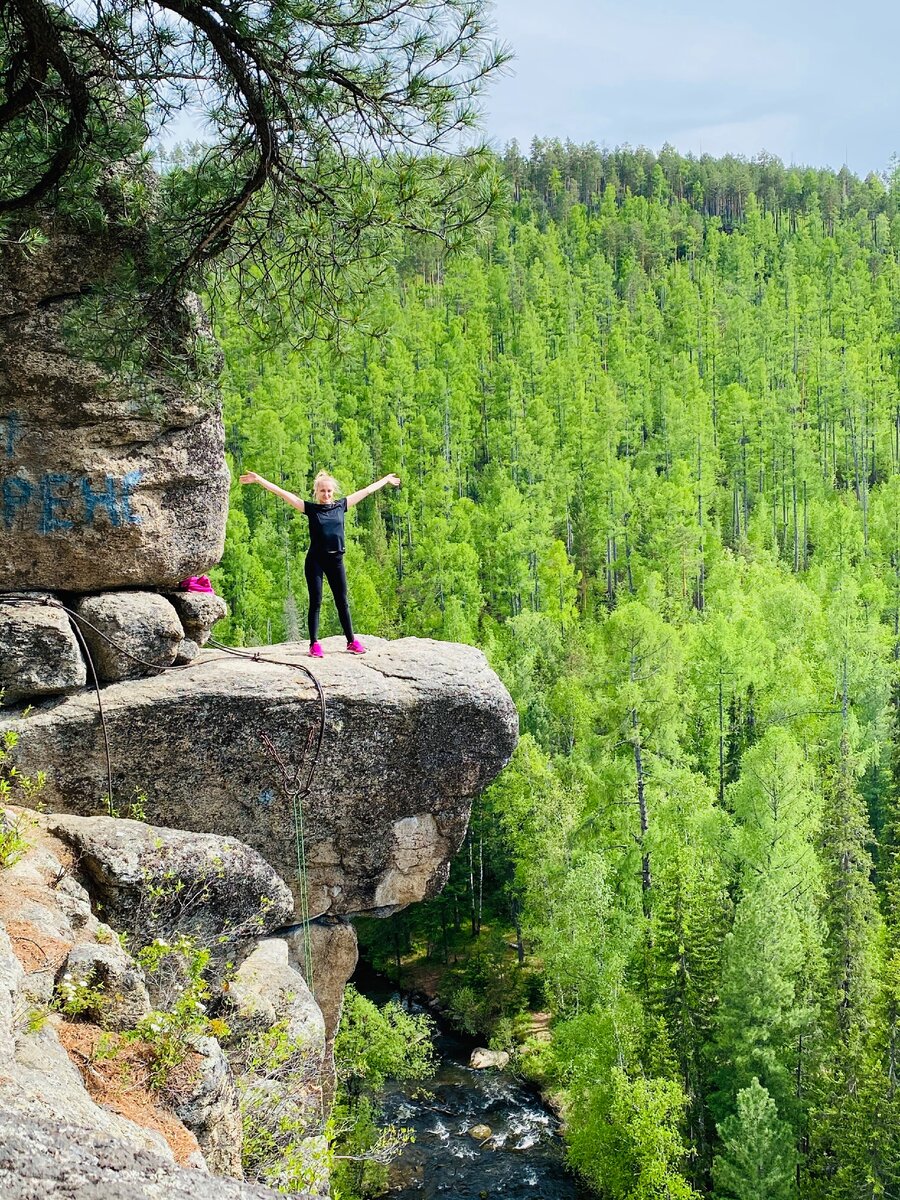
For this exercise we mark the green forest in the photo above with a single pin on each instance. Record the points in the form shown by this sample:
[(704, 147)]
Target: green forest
[(648, 429)]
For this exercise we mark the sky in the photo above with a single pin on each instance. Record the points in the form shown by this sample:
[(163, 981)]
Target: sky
[(814, 83)]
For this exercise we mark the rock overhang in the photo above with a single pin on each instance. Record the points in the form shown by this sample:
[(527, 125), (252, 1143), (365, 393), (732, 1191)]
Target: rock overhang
[(413, 731)]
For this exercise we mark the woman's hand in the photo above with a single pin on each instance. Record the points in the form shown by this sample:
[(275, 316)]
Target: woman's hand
[(250, 477), (355, 497)]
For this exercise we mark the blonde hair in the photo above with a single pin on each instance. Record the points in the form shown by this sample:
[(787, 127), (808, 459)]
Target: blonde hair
[(324, 477)]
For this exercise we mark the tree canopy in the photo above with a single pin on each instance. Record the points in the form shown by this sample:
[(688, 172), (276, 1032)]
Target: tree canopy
[(327, 125), (651, 463)]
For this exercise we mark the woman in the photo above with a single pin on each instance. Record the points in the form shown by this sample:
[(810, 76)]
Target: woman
[(325, 557)]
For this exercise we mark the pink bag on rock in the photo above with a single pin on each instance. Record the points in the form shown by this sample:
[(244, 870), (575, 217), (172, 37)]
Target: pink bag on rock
[(196, 583)]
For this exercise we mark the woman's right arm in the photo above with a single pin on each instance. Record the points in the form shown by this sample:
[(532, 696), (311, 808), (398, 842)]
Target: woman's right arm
[(289, 497)]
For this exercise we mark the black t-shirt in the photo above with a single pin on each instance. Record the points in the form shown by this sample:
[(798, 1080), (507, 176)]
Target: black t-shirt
[(326, 525)]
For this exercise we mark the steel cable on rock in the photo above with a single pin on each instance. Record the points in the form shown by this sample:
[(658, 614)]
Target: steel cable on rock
[(76, 620), (296, 796)]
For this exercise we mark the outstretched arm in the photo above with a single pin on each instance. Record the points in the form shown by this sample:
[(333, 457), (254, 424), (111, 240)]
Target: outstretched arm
[(355, 497), (289, 497)]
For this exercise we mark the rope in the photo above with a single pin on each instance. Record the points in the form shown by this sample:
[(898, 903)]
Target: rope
[(295, 790), (254, 656), (300, 846), (90, 660)]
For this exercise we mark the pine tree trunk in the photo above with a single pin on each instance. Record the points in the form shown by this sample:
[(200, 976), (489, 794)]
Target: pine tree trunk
[(646, 880)]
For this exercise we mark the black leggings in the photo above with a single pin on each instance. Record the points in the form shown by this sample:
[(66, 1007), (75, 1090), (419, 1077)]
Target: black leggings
[(332, 567)]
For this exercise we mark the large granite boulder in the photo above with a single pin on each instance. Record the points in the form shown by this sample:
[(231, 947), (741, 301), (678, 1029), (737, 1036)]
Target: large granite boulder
[(329, 948), (158, 883), (267, 990), (414, 730), (129, 633), (48, 930), (333, 953), (105, 481), (39, 651)]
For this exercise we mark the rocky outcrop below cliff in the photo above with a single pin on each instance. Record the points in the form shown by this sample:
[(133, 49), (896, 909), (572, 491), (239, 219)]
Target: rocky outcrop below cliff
[(413, 731), (143, 1041), (69, 1161), (214, 757)]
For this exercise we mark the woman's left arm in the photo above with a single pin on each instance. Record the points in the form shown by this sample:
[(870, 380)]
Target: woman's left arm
[(355, 497)]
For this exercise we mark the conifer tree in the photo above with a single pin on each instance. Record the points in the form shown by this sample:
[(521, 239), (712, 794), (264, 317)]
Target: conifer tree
[(758, 1159)]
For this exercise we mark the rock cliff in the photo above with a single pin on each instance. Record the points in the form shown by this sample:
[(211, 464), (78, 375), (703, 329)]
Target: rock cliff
[(113, 490), (105, 480)]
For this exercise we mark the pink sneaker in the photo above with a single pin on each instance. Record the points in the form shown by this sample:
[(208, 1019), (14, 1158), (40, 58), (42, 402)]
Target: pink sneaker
[(315, 651), (356, 647)]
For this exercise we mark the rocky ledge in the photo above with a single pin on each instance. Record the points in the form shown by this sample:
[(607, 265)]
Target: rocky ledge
[(413, 731), (75, 1162)]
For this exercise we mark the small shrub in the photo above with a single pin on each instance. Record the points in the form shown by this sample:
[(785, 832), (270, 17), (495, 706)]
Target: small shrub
[(107, 1047), (487, 988), (16, 788), (12, 845), (466, 1009), (170, 1032), (76, 996), (275, 1087), (35, 1020), (134, 809)]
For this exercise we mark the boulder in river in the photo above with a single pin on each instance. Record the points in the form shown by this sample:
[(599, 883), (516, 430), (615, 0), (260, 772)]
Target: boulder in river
[(482, 1059)]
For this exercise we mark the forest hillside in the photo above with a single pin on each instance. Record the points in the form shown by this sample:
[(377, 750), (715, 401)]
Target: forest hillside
[(649, 438)]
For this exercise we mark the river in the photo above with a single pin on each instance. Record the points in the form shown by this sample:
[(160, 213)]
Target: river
[(521, 1160)]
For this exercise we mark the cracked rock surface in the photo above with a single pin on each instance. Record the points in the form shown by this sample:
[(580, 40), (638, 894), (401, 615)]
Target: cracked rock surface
[(66, 1161), (39, 654), (414, 730)]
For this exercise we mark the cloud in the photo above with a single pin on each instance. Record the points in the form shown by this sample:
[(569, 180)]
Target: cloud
[(804, 80)]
